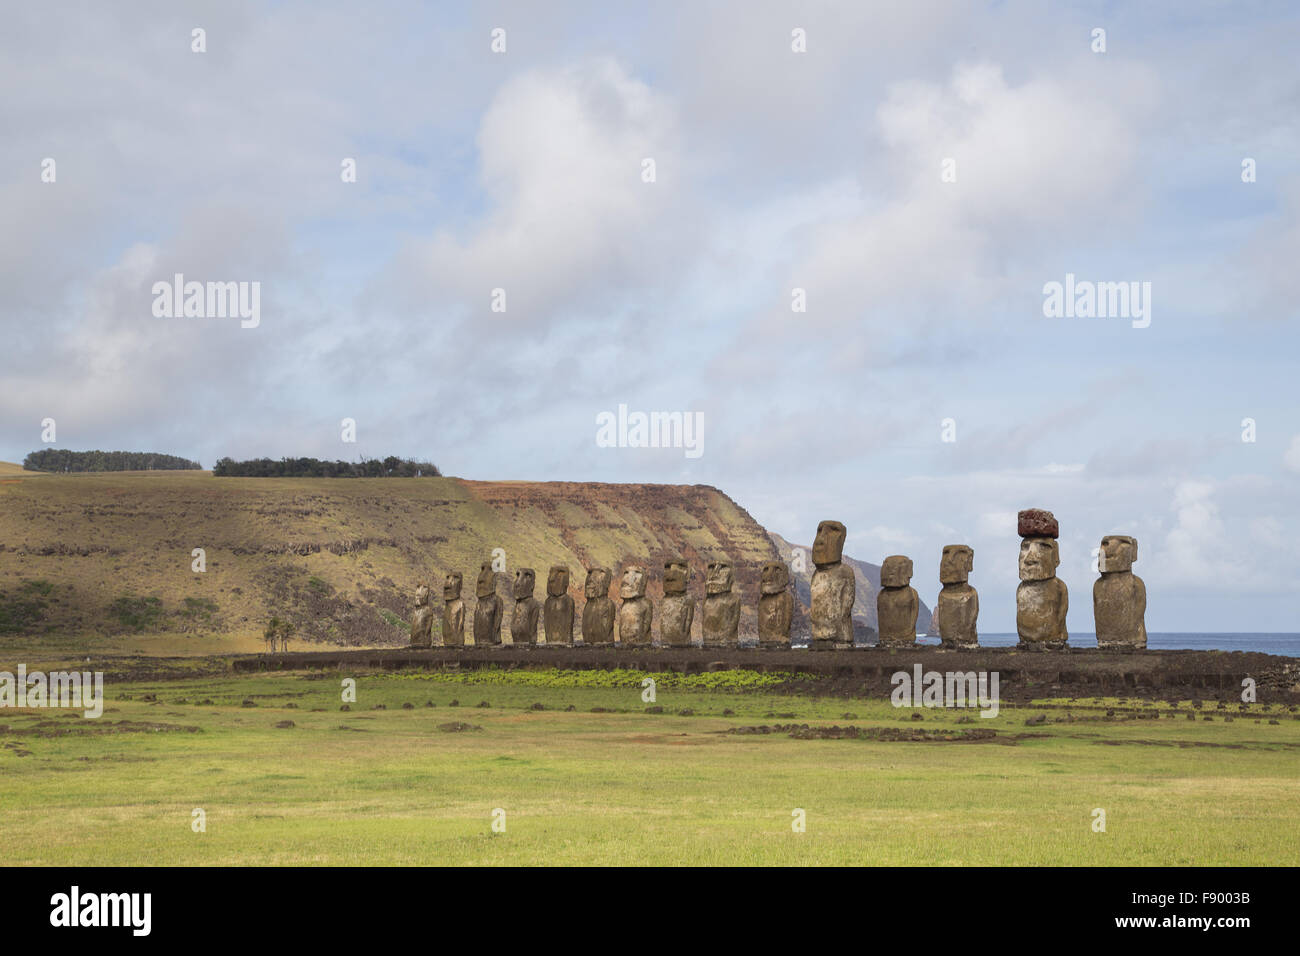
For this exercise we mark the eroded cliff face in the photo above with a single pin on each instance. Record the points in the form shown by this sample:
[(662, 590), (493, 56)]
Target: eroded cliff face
[(867, 579), (112, 554)]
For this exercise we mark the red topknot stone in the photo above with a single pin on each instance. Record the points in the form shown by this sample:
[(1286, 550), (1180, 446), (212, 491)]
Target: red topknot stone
[(1035, 522)]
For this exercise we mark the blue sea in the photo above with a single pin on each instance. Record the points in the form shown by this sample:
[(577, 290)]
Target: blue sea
[(1285, 644)]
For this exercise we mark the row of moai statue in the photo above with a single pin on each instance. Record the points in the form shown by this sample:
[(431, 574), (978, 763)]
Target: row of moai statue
[(1042, 600), (554, 618)]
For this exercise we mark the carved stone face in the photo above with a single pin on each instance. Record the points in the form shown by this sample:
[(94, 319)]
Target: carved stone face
[(525, 581), (956, 564), (487, 580), (1038, 559), (597, 583), (557, 582), (451, 586), (896, 571), (828, 546), (677, 574), (633, 583), (1118, 552), (720, 578), (776, 577), (422, 595)]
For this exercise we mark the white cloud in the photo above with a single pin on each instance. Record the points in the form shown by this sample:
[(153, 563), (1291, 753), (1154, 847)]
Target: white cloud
[(1292, 457)]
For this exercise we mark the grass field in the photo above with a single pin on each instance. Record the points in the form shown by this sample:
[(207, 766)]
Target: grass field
[(402, 785)]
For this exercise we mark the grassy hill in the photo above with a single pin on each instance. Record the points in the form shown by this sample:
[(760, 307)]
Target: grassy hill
[(103, 561)]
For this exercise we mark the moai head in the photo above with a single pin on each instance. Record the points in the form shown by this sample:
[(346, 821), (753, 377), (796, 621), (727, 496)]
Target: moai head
[(956, 564), (720, 578), (1039, 557), (422, 595), (633, 583), (677, 574), (487, 580), (557, 582), (525, 581), (451, 586), (828, 546), (597, 583), (776, 577), (1118, 552), (896, 572)]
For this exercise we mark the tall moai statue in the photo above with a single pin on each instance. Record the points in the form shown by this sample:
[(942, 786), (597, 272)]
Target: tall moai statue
[(721, 623), (1119, 598), (527, 611), (897, 604), (598, 613), (833, 590), (677, 610), (453, 612), (959, 604), (1042, 598), (422, 621), (487, 614), (775, 607), (557, 613), (635, 613)]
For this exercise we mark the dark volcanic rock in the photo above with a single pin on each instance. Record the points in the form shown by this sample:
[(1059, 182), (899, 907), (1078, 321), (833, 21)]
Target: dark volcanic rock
[(1033, 522)]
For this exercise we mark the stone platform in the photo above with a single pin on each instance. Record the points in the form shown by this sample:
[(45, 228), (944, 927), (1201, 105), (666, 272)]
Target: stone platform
[(868, 671)]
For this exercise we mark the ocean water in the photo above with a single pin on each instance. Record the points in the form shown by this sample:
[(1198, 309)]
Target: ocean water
[(1285, 644)]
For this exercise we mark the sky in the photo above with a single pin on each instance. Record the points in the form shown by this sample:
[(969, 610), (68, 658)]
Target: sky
[(921, 171)]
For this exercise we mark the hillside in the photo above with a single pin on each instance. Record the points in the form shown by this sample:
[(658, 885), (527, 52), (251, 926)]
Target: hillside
[(867, 578), (104, 559)]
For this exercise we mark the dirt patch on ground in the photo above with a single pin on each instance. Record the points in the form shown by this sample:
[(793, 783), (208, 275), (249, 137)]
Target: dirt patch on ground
[(887, 734), (92, 728)]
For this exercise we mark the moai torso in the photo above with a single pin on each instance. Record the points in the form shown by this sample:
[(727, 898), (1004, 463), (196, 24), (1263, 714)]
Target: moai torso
[(677, 610), (453, 612), (897, 604), (833, 589), (775, 606), (487, 614), (635, 614), (557, 614), (958, 605), (598, 613), (721, 623), (422, 621), (1042, 599), (1119, 598), (528, 610)]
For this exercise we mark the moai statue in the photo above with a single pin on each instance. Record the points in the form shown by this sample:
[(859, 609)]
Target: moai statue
[(557, 614), (775, 607), (598, 612), (487, 615), (453, 612), (721, 607), (528, 610), (958, 605), (1042, 598), (635, 614), (422, 622), (1119, 598), (832, 590), (897, 603), (677, 611)]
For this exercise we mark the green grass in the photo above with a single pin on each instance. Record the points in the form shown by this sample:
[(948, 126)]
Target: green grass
[(623, 785), (25, 608), (137, 613)]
